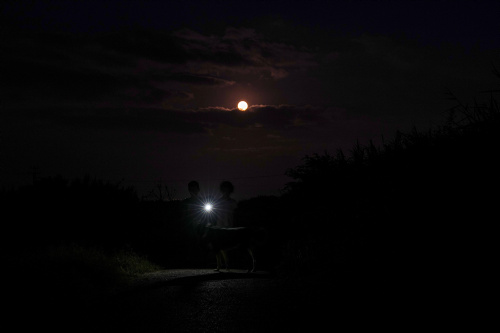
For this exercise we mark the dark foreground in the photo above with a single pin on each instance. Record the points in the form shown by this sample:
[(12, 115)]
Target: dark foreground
[(195, 300)]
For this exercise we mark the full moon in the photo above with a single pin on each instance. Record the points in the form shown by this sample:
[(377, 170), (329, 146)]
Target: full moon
[(242, 106)]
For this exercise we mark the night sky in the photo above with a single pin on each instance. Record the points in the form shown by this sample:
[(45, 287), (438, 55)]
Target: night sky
[(146, 91)]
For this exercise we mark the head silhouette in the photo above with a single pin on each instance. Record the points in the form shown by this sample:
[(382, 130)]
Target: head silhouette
[(226, 188), (194, 188)]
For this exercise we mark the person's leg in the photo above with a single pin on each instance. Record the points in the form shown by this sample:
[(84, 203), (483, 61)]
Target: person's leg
[(253, 260), (218, 258), (224, 255)]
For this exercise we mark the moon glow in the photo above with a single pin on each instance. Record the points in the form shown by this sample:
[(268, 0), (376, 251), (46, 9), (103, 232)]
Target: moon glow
[(242, 106)]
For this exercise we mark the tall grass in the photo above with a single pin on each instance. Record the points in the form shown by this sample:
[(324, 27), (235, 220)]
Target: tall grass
[(75, 241), (76, 271), (423, 197), (67, 287)]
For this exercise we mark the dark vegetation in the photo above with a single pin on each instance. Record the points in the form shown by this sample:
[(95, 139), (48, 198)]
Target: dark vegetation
[(422, 199), (423, 202)]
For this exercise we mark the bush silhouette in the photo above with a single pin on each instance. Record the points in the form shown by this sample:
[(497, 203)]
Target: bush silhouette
[(422, 198)]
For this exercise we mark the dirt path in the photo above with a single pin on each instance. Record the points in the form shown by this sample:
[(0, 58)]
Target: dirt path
[(201, 300), (208, 301)]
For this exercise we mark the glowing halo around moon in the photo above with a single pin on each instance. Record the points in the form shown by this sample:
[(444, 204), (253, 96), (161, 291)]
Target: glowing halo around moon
[(242, 106)]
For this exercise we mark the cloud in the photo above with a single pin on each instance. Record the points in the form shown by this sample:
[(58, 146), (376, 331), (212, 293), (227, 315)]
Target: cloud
[(179, 72), (267, 117), (294, 116), (186, 121), (120, 69), (242, 51), (198, 79), (247, 150), (129, 119), (140, 69)]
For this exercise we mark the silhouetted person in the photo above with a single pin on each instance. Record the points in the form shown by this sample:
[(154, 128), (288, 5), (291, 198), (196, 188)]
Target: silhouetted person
[(226, 206), (194, 190), (191, 206), (225, 217), (192, 218)]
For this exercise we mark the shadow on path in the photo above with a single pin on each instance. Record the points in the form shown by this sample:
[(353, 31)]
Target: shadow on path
[(192, 277)]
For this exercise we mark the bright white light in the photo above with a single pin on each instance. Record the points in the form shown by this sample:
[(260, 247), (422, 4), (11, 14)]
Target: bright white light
[(242, 106), (208, 207)]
